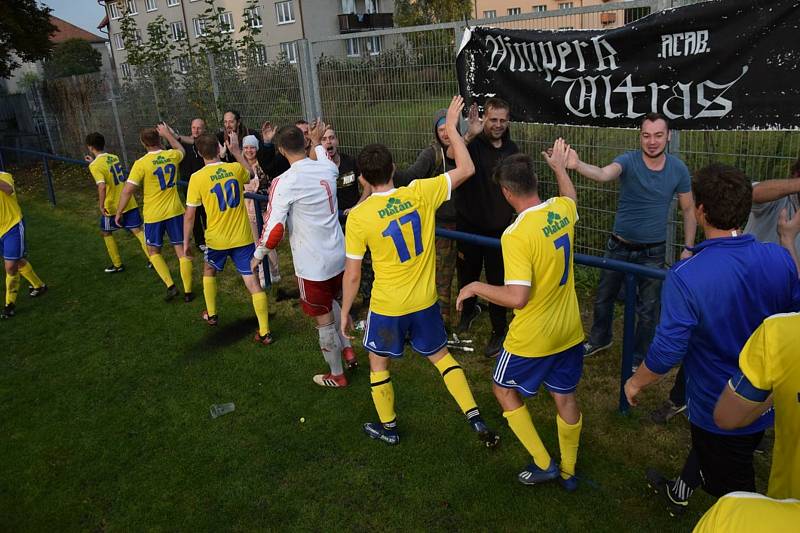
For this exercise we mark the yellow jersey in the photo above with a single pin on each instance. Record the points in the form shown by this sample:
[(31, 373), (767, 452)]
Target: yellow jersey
[(107, 169), (219, 188), (10, 213), (770, 362), (398, 228), (158, 173), (747, 512), (537, 252)]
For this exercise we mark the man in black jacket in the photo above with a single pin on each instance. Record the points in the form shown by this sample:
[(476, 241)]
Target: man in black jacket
[(191, 163), (481, 209)]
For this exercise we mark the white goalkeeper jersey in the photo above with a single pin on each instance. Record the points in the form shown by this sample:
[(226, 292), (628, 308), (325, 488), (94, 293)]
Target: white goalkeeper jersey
[(302, 203)]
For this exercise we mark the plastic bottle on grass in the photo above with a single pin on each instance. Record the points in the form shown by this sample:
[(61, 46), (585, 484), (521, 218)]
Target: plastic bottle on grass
[(219, 409)]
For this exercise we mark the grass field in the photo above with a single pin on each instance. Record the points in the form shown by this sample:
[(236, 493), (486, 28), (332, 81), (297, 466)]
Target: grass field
[(105, 422)]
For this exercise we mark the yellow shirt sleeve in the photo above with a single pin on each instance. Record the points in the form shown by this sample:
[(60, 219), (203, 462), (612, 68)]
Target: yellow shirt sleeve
[(573, 208), (193, 196), (754, 360), (242, 174), (176, 154), (136, 175), (435, 190), (96, 174), (5, 176), (517, 260), (355, 246)]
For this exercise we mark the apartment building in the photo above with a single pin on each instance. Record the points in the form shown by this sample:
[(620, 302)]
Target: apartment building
[(281, 23), (488, 9)]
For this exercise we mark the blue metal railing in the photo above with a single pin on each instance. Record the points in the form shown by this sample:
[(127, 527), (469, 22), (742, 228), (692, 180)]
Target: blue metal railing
[(631, 271)]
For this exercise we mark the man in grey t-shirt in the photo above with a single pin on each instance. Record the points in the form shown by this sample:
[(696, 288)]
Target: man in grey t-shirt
[(648, 180), (769, 199)]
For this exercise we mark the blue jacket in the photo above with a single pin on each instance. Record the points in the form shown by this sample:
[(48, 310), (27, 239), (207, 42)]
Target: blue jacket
[(710, 305)]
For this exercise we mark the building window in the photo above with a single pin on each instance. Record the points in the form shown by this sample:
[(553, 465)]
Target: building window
[(374, 46), (182, 64), (178, 30), (290, 51), (137, 36), (539, 9), (254, 17), (348, 7), (232, 59), (514, 10), (284, 12), (352, 47), (490, 14), (126, 70), (226, 22), (173, 3), (261, 55), (199, 27), (132, 7), (565, 5), (113, 10), (150, 5), (371, 6), (118, 42)]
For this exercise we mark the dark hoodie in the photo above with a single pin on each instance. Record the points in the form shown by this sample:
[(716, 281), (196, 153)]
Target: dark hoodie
[(431, 162), (480, 205)]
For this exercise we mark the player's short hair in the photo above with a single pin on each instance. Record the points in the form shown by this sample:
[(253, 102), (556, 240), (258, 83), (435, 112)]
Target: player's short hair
[(516, 174), (652, 117), (725, 194), (496, 103), (96, 140), (795, 169), (150, 137), (291, 139), (207, 146), (301, 122), (375, 164)]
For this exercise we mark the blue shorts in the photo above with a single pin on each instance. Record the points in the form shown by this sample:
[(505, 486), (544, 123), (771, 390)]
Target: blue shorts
[(154, 231), (130, 220), (241, 257), (386, 335), (12, 243), (560, 372)]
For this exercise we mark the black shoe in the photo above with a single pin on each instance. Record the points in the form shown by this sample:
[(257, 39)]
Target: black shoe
[(172, 292), (466, 320), (495, 344), (33, 292), (663, 487), (489, 438), (666, 412), (114, 269), (188, 297), (8, 311), (590, 349)]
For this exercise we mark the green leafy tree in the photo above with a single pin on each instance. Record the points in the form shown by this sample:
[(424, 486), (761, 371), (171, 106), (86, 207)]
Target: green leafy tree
[(416, 12), (25, 31), (72, 57)]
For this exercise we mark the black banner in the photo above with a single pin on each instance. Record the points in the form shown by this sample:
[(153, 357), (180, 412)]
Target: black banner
[(722, 64)]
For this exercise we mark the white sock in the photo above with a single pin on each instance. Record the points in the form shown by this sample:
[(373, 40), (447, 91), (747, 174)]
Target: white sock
[(331, 348), (337, 320)]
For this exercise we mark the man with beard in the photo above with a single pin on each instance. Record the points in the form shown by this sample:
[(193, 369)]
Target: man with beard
[(648, 180)]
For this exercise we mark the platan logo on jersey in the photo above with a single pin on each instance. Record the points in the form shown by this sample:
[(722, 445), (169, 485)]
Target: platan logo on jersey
[(555, 222), (221, 174), (394, 206), (160, 160)]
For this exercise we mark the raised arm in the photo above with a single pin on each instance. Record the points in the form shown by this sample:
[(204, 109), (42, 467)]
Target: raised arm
[(464, 165), (771, 190), (604, 174), (232, 145), (166, 132), (557, 158)]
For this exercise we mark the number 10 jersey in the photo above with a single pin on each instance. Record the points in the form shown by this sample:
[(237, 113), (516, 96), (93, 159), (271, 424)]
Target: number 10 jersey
[(398, 227), (219, 187)]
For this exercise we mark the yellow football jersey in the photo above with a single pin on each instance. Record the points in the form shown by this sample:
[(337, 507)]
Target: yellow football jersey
[(398, 228), (747, 512), (770, 362), (537, 252), (219, 187), (10, 213), (107, 169), (158, 173)]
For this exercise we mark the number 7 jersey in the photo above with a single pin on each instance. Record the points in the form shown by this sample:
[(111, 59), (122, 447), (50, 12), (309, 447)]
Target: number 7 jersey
[(398, 227), (158, 173), (219, 187)]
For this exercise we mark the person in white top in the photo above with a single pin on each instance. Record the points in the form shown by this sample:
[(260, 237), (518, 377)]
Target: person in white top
[(302, 203)]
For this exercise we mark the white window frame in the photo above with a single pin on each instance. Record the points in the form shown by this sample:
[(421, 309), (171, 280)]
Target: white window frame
[(284, 12), (148, 3), (173, 3), (352, 47), (256, 21), (289, 49), (514, 11), (490, 14), (199, 26), (226, 19), (137, 34), (126, 70), (566, 5), (348, 7), (371, 45), (371, 6), (539, 8), (177, 25), (129, 4), (261, 54), (119, 43), (180, 62), (113, 11)]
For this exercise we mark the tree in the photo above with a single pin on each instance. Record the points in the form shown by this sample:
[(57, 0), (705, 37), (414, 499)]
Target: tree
[(72, 57), (25, 31), (416, 12)]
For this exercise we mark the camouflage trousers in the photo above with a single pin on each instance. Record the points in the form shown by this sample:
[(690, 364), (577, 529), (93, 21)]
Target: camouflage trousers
[(446, 255)]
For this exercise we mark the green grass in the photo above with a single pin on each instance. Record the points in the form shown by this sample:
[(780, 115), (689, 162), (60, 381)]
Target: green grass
[(105, 423)]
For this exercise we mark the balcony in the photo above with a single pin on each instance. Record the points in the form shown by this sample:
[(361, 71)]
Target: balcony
[(350, 22)]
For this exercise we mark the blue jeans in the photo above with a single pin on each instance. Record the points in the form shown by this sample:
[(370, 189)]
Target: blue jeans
[(648, 301)]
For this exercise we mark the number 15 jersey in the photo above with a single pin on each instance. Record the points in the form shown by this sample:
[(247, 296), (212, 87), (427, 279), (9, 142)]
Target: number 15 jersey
[(158, 173), (107, 169), (219, 187), (398, 227)]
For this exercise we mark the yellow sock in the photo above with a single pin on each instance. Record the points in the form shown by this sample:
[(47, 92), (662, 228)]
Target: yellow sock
[(210, 294), (12, 287), (520, 422), (568, 438), (383, 396), (140, 237), (261, 305), (113, 251), (456, 382), (161, 268), (186, 273), (27, 272)]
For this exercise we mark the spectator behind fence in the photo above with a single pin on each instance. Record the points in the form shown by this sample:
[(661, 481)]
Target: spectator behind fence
[(481, 209), (769, 199), (258, 182), (232, 123), (304, 127), (712, 303), (192, 162), (648, 180)]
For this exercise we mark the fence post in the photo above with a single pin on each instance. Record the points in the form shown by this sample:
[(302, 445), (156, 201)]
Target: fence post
[(44, 117), (118, 125), (628, 339), (309, 81), (51, 193)]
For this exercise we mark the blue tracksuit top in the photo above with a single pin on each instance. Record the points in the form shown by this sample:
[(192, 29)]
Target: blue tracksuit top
[(710, 305)]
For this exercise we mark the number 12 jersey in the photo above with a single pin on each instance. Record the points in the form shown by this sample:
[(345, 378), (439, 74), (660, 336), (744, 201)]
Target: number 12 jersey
[(158, 173), (398, 227)]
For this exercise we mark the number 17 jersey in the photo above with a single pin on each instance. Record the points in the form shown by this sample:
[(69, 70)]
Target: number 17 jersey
[(398, 227), (158, 173)]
